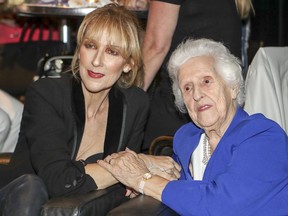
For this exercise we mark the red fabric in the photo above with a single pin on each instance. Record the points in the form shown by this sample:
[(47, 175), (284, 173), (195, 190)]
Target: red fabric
[(11, 34)]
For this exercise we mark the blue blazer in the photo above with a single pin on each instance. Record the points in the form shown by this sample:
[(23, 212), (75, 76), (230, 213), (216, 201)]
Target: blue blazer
[(246, 175)]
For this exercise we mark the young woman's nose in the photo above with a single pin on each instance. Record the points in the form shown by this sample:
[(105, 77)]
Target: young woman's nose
[(97, 59)]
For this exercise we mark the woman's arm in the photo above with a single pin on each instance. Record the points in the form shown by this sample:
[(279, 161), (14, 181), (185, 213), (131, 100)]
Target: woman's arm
[(161, 24), (104, 180), (130, 170)]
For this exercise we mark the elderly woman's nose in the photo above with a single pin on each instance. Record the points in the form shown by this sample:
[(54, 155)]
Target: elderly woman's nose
[(197, 94)]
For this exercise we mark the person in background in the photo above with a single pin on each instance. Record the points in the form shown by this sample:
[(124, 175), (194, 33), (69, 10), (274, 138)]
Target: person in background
[(71, 122), (10, 117), (245, 8), (232, 163), (169, 22)]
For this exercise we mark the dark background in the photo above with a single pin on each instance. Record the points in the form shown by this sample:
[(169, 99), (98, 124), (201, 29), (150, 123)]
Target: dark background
[(269, 25)]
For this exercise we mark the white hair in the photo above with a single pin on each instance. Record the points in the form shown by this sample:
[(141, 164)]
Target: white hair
[(226, 65)]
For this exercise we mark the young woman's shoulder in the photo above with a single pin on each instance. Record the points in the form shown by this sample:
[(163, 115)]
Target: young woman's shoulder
[(50, 88), (51, 82), (135, 94)]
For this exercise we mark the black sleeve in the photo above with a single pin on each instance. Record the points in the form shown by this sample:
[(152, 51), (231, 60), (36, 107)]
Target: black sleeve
[(48, 126)]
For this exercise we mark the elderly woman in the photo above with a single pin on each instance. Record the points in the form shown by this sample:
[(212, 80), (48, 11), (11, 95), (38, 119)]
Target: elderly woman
[(71, 122), (232, 163)]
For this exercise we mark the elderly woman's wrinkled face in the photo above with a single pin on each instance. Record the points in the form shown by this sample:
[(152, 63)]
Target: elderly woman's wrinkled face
[(101, 64), (209, 101)]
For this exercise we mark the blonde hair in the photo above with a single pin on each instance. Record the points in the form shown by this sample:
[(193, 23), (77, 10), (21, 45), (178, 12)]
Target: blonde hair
[(244, 7), (119, 23)]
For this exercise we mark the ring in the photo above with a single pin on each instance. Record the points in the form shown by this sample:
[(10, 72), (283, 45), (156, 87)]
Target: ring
[(110, 160), (169, 171)]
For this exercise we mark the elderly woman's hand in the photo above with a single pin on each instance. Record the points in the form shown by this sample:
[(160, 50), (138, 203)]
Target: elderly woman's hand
[(163, 166), (126, 166)]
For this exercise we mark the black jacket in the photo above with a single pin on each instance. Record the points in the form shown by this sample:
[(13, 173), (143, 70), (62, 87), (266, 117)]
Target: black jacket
[(52, 128)]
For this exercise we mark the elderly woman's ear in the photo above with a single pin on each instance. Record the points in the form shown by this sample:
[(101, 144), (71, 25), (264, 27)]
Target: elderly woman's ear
[(234, 93)]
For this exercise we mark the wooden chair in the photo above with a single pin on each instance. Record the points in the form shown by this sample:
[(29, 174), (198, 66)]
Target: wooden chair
[(162, 145)]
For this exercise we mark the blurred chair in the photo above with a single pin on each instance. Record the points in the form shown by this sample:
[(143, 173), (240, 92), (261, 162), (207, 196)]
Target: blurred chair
[(142, 206), (98, 202), (53, 67), (267, 85), (5, 158), (162, 145)]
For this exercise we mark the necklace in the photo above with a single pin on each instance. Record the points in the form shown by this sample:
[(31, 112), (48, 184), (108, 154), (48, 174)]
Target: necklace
[(207, 152)]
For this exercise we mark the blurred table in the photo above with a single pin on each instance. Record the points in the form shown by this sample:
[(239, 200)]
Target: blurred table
[(63, 12)]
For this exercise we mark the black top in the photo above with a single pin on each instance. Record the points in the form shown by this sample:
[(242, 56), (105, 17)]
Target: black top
[(212, 19), (217, 20), (52, 128)]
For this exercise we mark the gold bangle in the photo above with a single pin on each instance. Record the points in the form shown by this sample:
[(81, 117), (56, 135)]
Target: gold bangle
[(145, 177)]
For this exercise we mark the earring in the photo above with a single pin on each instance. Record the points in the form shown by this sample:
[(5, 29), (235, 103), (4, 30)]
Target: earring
[(126, 69)]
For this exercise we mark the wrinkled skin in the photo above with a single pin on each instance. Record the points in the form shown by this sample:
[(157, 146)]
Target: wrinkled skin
[(129, 168)]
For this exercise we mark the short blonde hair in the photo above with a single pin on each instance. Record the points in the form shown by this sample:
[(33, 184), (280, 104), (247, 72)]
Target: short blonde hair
[(118, 22)]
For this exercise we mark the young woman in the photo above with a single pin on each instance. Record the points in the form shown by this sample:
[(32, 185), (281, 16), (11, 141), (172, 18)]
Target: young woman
[(71, 122)]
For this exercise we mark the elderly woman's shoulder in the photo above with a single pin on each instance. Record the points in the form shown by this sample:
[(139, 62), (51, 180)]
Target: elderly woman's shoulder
[(258, 123), (259, 118), (188, 129)]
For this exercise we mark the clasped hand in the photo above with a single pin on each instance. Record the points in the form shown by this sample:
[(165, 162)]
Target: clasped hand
[(129, 167), (163, 166)]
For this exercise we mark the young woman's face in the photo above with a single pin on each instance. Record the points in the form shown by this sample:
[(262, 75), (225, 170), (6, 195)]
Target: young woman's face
[(101, 64), (209, 101)]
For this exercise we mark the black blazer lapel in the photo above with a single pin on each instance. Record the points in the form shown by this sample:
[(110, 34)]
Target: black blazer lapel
[(114, 137), (116, 122), (78, 107)]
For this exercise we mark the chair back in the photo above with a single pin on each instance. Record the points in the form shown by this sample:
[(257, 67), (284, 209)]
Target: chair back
[(5, 158), (162, 145)]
